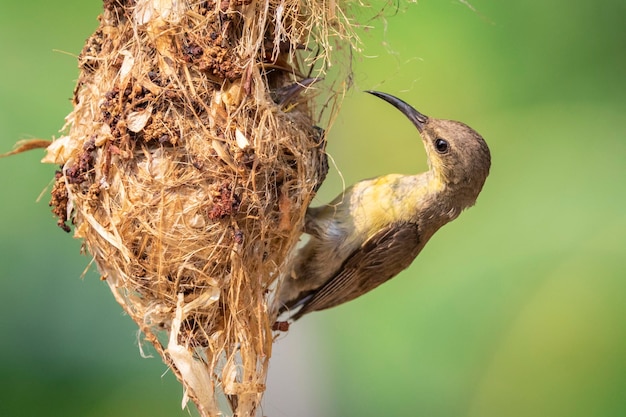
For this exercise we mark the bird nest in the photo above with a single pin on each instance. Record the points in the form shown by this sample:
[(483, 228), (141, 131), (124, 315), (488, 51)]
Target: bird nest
[(188, 163)]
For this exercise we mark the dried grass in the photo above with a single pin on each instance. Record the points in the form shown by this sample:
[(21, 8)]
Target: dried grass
[(188, 182)]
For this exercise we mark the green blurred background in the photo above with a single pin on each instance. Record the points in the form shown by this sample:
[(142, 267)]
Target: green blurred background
[(518, 308)]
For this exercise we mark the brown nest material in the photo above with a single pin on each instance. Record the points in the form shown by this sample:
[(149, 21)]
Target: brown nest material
[(190, 158)]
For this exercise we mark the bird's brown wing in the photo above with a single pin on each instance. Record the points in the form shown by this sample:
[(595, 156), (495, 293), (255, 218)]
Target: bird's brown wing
[(380, 258)]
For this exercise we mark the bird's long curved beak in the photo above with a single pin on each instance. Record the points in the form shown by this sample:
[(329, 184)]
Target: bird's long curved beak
[(417, 118)]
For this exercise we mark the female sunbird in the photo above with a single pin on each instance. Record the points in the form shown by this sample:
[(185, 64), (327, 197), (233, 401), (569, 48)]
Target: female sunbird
[(376, 228)]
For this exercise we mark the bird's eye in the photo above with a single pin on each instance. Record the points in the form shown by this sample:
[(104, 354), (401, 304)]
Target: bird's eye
[(441, 145)]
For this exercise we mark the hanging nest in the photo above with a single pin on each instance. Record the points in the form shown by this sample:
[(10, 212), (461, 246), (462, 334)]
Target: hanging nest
[(190, 158)]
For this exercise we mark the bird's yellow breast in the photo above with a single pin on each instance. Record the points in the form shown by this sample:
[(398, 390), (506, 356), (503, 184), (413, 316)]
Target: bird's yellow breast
[(376, 203)]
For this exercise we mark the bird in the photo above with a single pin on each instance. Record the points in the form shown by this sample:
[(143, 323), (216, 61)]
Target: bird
[(285, 96), (377, 227)]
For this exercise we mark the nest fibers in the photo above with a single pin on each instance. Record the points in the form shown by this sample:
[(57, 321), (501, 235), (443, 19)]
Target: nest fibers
[(190, 159)]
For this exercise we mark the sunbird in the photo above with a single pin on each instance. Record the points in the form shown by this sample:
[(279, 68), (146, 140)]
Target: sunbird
[(375, 228)]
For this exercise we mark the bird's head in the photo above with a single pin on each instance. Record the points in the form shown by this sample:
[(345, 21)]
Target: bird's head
[(457, 155)]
